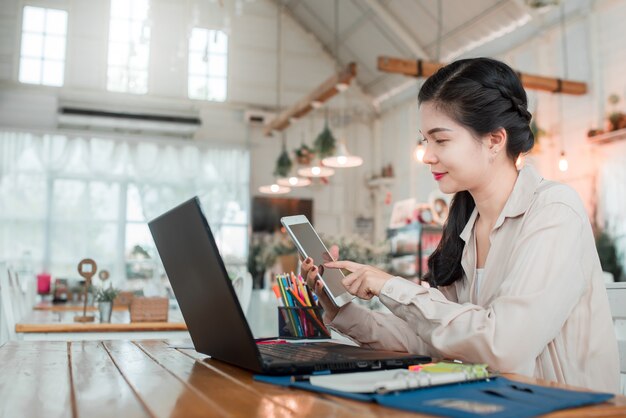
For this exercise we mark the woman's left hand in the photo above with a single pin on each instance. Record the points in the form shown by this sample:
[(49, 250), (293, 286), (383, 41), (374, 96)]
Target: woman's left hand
[(363, 281)]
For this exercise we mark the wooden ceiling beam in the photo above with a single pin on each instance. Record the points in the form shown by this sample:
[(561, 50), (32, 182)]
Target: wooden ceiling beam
[(420, 68), (321, 93)]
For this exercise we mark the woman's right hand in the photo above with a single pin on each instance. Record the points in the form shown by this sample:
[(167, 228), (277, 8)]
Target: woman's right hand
[(309, 272)]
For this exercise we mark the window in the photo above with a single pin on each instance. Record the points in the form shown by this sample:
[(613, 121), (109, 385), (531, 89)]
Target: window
[(208, 63), (63, 199), (129, 46), (42, 53)]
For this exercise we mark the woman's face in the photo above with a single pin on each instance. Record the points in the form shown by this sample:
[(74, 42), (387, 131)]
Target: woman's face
[(458, 161)]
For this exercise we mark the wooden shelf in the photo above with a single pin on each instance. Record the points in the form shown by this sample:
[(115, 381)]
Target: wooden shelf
[(608, 137)]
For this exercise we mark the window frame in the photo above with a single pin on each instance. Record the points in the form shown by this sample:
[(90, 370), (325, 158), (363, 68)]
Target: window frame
[(207, 77), (128, 68), (121, 259), (19, 40)]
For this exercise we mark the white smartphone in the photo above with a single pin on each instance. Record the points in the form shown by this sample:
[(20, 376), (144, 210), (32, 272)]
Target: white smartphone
[(309, 244)]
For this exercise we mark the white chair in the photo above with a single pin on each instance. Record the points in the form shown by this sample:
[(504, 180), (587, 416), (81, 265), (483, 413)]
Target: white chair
[(7, 324), (19, 295), (617, 300), (243, 289)]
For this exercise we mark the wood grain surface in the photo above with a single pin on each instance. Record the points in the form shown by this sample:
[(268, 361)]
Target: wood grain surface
[(155, 379)]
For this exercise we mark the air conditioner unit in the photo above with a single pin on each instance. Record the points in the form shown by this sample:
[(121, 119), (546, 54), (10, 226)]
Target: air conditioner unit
[(87, 118), (258, 117)]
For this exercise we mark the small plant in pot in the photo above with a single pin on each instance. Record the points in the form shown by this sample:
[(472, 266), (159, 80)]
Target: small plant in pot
[(325, 142), (304, 154), (283, 164), (617, 119), (609, 257), (105, 298)]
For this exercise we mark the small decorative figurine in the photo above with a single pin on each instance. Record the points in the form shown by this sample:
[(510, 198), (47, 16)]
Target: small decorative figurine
[(87, 269)]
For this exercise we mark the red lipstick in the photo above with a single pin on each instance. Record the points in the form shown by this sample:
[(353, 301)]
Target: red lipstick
[(438, 176)]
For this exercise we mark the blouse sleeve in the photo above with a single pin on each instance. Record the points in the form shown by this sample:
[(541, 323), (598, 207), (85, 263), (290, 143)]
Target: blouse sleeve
[(379, 330), (544, 283)]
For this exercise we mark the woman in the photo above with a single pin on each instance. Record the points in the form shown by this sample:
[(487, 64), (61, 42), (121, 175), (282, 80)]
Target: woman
[(517, 282)]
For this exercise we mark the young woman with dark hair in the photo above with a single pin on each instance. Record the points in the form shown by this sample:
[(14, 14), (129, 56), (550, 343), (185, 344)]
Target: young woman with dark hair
[(516, 279)]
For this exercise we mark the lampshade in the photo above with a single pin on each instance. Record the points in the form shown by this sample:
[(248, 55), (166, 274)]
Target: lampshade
[(274, 189), (316, 170), (342, 158), (293, 181)]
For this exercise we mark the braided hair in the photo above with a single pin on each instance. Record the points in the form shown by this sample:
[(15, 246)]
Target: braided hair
[(483, 95)]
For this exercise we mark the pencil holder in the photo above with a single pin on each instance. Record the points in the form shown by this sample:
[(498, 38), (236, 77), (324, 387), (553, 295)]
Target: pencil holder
[(299, 322)]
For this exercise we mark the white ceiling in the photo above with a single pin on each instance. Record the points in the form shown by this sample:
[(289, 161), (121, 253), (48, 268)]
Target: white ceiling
[(409, 29)]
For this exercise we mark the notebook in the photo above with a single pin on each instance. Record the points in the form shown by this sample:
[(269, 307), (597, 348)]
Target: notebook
[(215, 320), (385, 381)]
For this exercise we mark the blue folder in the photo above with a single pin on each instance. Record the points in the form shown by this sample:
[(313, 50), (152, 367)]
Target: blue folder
[(495, 398)]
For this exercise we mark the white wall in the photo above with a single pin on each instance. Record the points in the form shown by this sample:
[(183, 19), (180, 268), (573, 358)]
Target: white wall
[(251, 85)]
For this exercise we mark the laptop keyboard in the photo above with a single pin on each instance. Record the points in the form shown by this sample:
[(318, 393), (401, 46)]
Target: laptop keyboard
[(299, 352)]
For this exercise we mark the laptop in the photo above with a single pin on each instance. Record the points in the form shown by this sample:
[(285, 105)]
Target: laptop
[(215, 320)]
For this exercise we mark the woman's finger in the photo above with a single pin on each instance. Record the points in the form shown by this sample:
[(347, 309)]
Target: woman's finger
[(311, 277), (306, 265), (348, 265)]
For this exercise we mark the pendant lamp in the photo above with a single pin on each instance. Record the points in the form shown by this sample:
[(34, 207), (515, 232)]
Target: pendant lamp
[(342, 158)]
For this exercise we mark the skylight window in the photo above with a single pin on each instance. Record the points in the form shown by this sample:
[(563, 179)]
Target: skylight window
[(42, 53), (129, 46), (208, 64)]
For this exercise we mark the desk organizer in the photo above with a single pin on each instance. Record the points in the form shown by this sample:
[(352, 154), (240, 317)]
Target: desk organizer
[(301, 322)]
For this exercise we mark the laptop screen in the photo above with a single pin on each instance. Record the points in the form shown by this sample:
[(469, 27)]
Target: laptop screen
[(202, 287)]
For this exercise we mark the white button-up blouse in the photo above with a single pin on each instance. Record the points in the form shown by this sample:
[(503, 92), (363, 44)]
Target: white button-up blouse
[(542, 309)]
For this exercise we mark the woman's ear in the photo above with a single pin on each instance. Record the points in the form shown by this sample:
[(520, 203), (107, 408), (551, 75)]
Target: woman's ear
[(496, 141)]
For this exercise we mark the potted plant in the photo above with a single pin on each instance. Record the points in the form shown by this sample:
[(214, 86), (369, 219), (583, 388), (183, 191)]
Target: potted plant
[(278, 249), (325, 142), (105, 298), (617, 119), (283, 164), (304, 154), (608, 255)]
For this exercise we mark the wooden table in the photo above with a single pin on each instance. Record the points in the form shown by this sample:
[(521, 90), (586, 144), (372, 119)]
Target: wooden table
[(60, 326), (70, 306), (150, 379)]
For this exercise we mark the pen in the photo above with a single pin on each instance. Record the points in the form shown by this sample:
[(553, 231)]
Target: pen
[(303, 378), (311, 315), (258, 340), (272, 342)]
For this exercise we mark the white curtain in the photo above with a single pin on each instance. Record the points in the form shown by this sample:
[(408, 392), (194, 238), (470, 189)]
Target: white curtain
[(62, 198)]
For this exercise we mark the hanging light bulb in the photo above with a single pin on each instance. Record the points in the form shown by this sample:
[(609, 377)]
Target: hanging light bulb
[(563, 164), (342, 158), (274, 189), (316, 170), (294, 181), (419, 152)]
